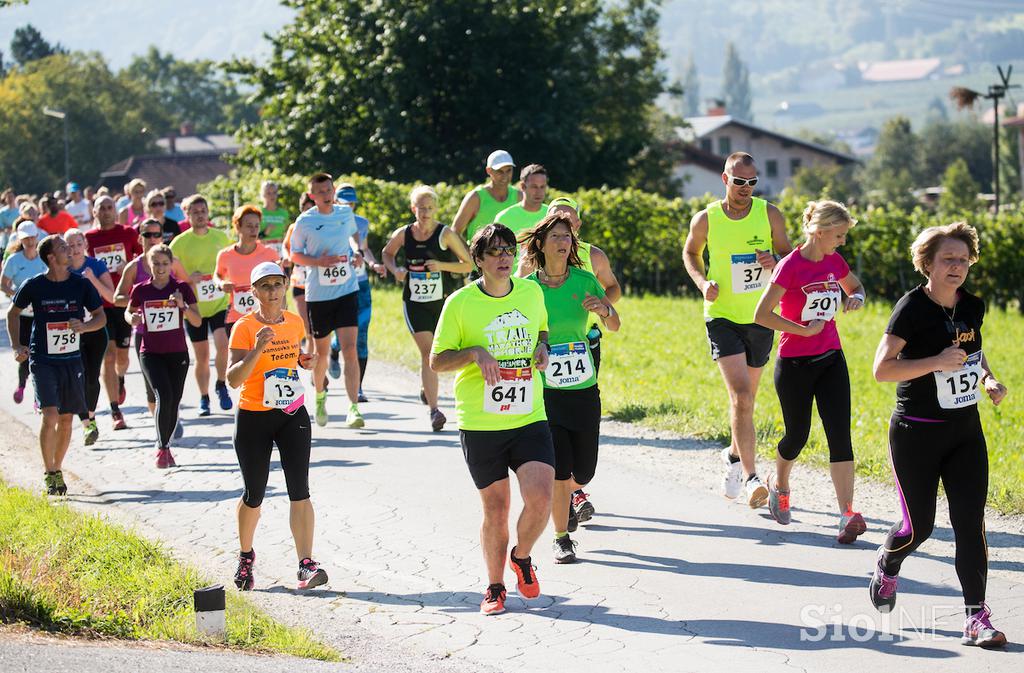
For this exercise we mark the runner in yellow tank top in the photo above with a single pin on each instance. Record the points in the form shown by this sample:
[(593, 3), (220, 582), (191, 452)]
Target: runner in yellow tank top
[(481, 205), (741, 233)]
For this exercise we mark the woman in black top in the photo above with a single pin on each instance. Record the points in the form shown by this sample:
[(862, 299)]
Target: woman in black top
[(933, 349), (432, 252)]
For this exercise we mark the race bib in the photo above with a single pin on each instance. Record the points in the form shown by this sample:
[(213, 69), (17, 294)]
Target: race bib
[(425, 286), (113, 256), (337, 274), (568, 365), (513, 394), (60, 338), (960, 388), (243, 301), (299, 276), (282, 389), (161, 315), (207, 289), (821, 301), (747, 274)]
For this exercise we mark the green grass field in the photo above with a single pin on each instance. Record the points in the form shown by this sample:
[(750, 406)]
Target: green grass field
[(69, 572), (656, 370)]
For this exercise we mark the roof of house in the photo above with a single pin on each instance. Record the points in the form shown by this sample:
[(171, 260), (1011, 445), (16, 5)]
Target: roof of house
[(702, 126), (899, 71), (708, 160), (184, 171), (216, 142)]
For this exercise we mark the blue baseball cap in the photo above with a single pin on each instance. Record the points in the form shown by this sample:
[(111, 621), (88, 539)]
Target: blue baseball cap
[(346, 193), (72, 187)]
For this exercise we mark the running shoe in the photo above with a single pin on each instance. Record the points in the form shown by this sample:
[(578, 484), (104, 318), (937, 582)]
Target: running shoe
[(310, 574), (979, 632), (778, 503), (565, 549), (122, 394), (757, 493), (437, 420), (732, 482), (851, 525), (494, 600), (223, 397), (118, 418), (334, 366), (354, 419), (179, 430), (526, 577), (58, 480), (163, 459), (321, 409), (882, 587), (581, 506), (244, 579), (19, 394), (361, 398), (92, 432), (204, 405), (170, 459), (50, 481)]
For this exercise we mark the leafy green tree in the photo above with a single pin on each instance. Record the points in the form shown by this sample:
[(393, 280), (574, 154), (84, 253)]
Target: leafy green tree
[(691, 89), (28, 45), (942, 142), (105, 116), (736, 85), (897, 164), (827, 182), (960, 191), (197, 92), (418, 90)]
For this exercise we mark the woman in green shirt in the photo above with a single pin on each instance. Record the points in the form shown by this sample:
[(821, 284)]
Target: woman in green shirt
[(571, 395)]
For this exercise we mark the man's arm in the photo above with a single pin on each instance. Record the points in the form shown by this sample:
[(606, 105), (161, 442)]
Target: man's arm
[(780, 240), (693, 256), (467, 211), (605, 275)]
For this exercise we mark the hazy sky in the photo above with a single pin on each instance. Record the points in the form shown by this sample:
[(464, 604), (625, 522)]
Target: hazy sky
[(190, 29)]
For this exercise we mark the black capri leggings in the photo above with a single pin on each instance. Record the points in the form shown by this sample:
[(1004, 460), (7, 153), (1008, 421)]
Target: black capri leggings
[(256, 432), (93, 346), (166, 374), (954, 452), (150, 395), (25, 335), (818, 378), (575, 420)]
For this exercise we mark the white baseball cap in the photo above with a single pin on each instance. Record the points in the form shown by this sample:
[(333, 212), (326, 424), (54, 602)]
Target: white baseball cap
[(264, 269), (27, 230), (499, 159)]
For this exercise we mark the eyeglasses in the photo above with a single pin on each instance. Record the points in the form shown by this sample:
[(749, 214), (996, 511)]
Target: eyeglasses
[(499, 250), (157, 203), (743, 182), (152, 234)]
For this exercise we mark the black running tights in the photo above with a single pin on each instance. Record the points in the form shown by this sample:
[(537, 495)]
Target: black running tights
[(823, 379), (256, 432), (93, 347), (166, 373)]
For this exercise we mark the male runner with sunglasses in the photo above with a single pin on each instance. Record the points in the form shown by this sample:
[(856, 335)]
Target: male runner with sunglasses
[(741, 232)]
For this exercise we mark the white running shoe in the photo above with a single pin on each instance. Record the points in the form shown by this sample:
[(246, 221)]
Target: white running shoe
[(757, 493), (732, 482)]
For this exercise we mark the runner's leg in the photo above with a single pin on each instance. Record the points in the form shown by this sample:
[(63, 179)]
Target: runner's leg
[(496, 499), (536, 483), (741, 384), (428, 377), (347, 340)]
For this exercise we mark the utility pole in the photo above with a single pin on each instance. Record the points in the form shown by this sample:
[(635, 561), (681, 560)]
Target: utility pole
[(58, 114), (965, 98)]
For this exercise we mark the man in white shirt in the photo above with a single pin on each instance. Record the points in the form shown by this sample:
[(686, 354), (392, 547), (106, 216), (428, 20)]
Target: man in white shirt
[(77, 206)]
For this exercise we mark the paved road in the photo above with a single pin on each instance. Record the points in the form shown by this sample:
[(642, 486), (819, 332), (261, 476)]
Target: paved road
[(673, 577)]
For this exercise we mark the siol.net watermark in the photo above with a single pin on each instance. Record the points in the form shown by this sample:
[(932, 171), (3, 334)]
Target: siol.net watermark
[(821, 622)]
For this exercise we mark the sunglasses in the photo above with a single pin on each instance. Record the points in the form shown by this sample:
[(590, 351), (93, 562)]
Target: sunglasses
[(152, 234), (743, 182), (157, 203), (500, 250)]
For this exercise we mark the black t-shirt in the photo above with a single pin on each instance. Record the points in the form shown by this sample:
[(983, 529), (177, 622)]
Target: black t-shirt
[(54, 304), (928, 329), (171, 229)]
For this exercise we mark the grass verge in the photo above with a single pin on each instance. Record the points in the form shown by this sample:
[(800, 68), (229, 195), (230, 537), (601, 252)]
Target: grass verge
[(656, 371), (65, 571)]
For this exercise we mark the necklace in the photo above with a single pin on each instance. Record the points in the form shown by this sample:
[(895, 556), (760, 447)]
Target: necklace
[(267, 321), (555, 278), (950, 316)]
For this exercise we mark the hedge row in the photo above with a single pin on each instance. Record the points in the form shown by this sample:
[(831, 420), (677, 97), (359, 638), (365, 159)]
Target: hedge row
[(643, 233)]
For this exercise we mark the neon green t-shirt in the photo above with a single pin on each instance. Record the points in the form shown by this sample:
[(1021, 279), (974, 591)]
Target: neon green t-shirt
[(275, 224), (199, 253), (571, 364), (508, 327)]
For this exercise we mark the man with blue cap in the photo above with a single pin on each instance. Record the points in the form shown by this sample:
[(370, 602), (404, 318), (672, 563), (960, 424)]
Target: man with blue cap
[(77, 206)]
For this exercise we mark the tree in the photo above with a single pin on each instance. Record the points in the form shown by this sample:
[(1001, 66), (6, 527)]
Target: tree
[(896, 166), (28, 45), (829, 181), (419, 90), (105, 117), (736, 85), (691, 89), (944, 141), (197, 92), (960, 191)]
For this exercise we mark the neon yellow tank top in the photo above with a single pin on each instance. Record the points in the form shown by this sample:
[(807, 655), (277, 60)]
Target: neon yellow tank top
[(584, 252), (489, 209), (732, 252)]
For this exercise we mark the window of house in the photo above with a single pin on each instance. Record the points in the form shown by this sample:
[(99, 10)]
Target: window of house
[(794, 165), (724, 146), (705, 144), (771, 168)]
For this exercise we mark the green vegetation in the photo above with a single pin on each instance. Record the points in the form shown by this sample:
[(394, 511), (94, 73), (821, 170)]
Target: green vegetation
[(657, 371), (62, 570)]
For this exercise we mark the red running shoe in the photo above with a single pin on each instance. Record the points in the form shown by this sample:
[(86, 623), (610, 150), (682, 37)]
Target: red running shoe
[(526, 578), (494, 600)]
